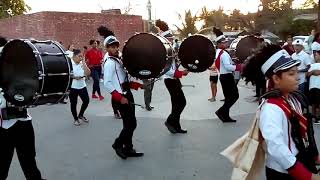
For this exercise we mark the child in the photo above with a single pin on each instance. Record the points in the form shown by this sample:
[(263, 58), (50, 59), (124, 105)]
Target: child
[(118, 84), (290, 145), (314, 84)]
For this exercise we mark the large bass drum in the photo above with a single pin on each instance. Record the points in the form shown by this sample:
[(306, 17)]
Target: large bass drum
[(34, 73), (196, 53), (147, 56), (243, 47)]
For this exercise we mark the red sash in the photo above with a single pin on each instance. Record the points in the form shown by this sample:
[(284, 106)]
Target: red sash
[(303, 122), (218, 60)]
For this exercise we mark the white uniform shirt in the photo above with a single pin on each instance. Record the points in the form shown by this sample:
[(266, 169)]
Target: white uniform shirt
[(305, 60), (170, 74), (114, 74), (78, 72), (6, 124), (226, 63), (314, 80), (276, 131), (69, 54)]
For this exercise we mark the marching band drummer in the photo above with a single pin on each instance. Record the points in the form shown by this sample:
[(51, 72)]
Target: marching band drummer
[(290, 145), (225, 67), (173, 84), (116, 81), (16, 133)]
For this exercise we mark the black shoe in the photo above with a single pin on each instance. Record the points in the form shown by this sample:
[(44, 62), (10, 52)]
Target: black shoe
[(229, 120), (120, 151), (149, 108), (222, 100), (224, 119), (170, 128), (181, 131), (133, 153)]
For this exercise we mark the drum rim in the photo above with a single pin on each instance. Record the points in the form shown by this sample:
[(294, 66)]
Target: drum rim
[(156, 37)]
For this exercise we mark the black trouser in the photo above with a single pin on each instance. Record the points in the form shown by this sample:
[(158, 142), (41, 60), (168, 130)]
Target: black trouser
[(74, 93), (148, 87), (178, 101), (230, 92), (114, 107), (96, 74), (20, 137), (127, 112), (275, 175)]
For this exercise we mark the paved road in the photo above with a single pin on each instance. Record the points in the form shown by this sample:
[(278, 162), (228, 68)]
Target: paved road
[(66, 152)]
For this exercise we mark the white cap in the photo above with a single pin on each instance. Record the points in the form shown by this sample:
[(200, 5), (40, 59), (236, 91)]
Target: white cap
[(297, 42), (315, 46), (110, 40)]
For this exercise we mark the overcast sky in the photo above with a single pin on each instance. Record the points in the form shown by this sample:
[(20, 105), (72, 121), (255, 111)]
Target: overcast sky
[(161, 9)]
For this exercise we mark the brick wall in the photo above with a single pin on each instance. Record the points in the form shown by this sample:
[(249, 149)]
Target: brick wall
[(68, 27)]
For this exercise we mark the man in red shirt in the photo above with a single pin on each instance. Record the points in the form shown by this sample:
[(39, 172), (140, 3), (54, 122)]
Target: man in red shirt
[(94, 57)]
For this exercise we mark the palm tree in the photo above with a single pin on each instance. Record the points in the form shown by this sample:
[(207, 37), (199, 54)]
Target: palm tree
[(188, 24)]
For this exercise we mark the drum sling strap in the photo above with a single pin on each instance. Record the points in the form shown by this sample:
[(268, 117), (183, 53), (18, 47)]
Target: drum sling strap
[(301, 133)]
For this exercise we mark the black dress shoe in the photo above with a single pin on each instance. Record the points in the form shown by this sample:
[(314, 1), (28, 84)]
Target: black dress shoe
[(224, 119), (149, 108), (229, 120), (119, 151), (170, 128), (133, 153), (181, 131)]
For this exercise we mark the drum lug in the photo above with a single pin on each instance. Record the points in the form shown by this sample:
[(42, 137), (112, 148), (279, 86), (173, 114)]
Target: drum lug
[(52, 54)]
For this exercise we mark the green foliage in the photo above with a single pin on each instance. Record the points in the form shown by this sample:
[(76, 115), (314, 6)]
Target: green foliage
[(12, 8)]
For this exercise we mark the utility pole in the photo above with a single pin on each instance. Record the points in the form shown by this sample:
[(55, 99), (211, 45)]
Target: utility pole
[(149, 7), (318, 15)]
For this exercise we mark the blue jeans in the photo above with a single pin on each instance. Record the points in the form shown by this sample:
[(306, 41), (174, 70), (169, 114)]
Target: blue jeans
[(96, 74)]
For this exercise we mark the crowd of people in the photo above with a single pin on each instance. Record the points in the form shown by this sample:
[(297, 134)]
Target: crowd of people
[(284, 71)]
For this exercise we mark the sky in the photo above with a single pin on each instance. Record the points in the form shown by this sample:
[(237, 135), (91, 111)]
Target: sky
[(166, 10)]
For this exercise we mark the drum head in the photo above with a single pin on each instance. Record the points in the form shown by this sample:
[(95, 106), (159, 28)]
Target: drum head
[(145, 55), (196, 53), (246, 47), (18, 72)]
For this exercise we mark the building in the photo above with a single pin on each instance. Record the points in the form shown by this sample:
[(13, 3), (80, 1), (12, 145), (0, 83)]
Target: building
[(69, 27)]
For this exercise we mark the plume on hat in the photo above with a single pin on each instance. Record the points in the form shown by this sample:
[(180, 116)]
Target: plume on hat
[(3, 41), (217, 32), (252, 71), (105, 32)]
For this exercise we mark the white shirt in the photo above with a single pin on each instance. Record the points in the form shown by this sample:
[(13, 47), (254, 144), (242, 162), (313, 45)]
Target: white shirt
[(114, 74), (6, 124), (305, 60), (314, 80), (78, 72), (170, 74), (276, 131), (69, 54), (226, 63)]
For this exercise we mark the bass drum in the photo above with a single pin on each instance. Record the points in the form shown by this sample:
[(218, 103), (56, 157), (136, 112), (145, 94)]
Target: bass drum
[(196, 53), (244, 47), (147, 56), (34, 73)]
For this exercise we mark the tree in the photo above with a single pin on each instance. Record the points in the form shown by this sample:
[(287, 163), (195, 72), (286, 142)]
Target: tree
[(215, 18), (12, 8), (188, 24)]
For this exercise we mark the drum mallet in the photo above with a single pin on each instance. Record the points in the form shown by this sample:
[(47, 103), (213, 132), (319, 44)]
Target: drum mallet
[(189, 85)]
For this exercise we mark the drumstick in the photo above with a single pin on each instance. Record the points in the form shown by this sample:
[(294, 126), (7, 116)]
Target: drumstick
[(189, 85)]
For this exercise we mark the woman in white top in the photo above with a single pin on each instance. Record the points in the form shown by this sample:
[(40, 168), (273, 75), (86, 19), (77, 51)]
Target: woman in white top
[(70, 50), (78, 87)]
